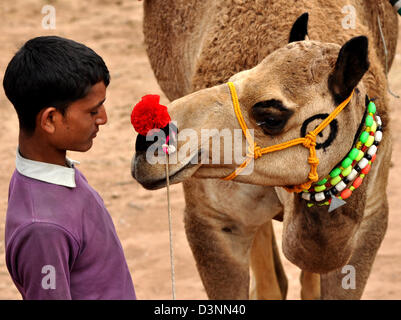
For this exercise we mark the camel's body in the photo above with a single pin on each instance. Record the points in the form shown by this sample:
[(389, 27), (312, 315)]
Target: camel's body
[(197, 44)]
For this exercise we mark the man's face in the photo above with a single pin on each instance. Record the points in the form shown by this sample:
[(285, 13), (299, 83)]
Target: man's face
[(82, 119)]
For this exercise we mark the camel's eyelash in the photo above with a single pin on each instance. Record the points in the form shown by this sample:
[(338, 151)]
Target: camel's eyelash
[(271, 116), (273, 105)]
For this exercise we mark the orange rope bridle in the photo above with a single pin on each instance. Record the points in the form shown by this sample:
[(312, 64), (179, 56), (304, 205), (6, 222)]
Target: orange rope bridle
[(309, 142)]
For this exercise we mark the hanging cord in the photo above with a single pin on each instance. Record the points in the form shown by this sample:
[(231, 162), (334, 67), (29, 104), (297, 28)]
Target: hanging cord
[(170, 228), (385, 55)]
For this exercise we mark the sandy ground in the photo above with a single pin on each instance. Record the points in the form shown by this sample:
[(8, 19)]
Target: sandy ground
[(114, 30)]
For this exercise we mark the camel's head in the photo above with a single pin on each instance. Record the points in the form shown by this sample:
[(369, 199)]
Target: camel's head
[(283, 98)]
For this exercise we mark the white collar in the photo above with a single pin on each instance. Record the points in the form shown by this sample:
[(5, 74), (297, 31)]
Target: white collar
[(47, 172)]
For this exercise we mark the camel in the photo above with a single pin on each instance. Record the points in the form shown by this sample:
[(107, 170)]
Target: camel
[(301, 71)]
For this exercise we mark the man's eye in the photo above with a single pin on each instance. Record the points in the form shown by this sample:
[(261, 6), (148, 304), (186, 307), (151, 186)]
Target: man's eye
[(93, 113)]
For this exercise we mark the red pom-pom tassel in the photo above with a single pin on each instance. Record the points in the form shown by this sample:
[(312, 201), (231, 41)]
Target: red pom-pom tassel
[(148, 114)]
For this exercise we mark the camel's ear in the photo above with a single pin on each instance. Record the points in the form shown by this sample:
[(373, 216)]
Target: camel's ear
[(300, 28), (351, 65)]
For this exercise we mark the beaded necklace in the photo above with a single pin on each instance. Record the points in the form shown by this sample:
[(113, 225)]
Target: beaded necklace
[(349, 174)]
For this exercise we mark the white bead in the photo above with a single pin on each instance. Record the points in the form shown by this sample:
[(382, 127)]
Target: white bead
[(168, 148), (352, 175), (171, 149), (378, 136), (372, 150), (340, 186), (306, 196), (319, 196), (379, 121), (363, 163)]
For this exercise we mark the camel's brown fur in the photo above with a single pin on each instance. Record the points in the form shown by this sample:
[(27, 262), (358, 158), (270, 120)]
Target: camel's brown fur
[(198, 44)]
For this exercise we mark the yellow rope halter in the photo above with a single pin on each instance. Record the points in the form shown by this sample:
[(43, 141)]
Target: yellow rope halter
[(309, 141)]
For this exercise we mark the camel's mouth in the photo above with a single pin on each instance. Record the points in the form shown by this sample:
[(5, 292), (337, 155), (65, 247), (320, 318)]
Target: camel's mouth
[(179, 175)]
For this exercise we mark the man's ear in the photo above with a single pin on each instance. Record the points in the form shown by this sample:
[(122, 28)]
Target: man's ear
[(299, 29), (47, 119), (351, 65)]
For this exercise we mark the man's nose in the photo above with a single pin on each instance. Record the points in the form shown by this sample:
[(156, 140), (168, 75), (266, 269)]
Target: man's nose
[(102, 118)]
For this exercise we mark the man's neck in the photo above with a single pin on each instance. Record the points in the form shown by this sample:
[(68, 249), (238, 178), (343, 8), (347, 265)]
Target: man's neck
[(31, 147)]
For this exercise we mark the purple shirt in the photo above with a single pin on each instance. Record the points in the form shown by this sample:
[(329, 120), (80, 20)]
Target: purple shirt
[(60, 239)]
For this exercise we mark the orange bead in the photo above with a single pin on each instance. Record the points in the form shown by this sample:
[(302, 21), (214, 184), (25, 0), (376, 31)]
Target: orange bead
[(346, 193), (366, 169), (373, 158), (357, 182)]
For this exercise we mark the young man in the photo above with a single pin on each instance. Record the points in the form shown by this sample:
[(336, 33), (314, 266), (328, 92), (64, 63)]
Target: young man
[(60, 240)]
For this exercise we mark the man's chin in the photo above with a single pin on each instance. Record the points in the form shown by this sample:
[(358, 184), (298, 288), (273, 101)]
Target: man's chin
[(82, 148), (88, 146)]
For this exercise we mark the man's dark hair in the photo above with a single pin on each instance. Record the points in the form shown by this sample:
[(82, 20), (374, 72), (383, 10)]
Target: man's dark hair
[(51, 71)]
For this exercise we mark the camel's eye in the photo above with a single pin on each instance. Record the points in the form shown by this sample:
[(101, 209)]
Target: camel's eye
[(271, 116)]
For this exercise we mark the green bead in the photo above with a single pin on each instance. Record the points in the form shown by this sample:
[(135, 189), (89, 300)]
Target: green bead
[(310, 205), (353, 154), (360, 155), (346, 171), (335, 172), (335, 180), (322, 182), (372, 107), (320, 188), (373, 127), (346, 162), (364, 137), (370, 141), (369, 121)]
